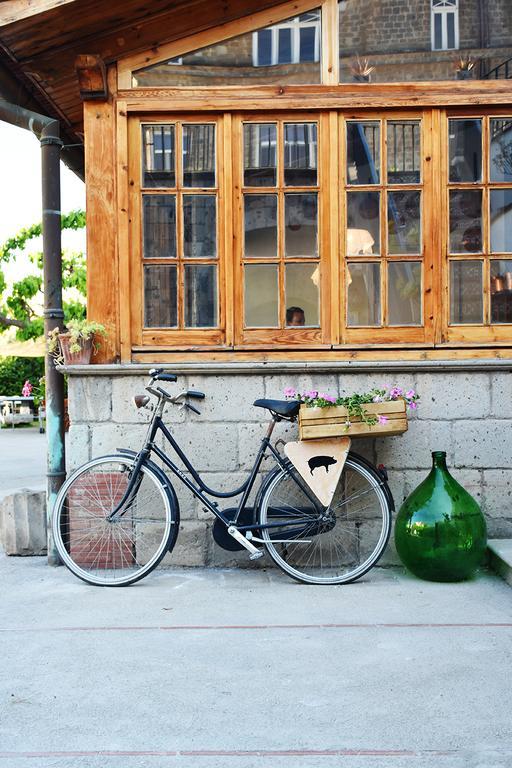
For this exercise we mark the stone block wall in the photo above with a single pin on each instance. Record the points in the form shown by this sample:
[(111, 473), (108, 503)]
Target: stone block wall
[(469, 415)]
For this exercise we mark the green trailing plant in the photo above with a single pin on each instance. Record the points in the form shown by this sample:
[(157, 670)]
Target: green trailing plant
[(79, 332)]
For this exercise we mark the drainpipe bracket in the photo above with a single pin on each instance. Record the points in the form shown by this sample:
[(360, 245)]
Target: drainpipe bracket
[(51, 140)]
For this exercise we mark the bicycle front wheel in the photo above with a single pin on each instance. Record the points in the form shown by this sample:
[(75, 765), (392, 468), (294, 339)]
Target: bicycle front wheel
[(326, 545), (121, 550)]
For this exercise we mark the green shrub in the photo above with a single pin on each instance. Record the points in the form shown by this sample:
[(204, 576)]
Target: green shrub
[(14, 371)]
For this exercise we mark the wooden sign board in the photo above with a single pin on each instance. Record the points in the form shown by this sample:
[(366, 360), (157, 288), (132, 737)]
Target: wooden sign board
[(320, 463)]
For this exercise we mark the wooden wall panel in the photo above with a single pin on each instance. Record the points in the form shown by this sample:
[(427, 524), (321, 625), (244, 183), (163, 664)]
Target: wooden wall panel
[(102, 263)]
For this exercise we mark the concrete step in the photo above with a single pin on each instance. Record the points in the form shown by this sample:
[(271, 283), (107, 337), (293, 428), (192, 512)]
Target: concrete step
[(500, 557)]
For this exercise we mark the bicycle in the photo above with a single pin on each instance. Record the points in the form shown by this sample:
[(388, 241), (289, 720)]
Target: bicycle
[(117, 516)]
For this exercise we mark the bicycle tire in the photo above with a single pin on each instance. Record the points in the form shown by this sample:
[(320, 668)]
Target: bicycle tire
[(118, 552), (342, 547)]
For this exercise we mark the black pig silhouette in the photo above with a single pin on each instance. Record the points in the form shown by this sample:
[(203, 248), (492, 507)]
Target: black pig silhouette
[(321, 461)]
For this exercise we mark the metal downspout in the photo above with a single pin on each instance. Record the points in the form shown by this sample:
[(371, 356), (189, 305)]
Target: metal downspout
[(47, 131)]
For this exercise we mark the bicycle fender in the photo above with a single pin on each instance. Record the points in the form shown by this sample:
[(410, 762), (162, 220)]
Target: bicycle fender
[(382, 479), (166, 484)]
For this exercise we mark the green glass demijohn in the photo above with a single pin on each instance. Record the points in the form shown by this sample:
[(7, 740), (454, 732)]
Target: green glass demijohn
[(440, 531)]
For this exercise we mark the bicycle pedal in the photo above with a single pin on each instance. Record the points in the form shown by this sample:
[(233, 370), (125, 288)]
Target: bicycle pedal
[(256, 555)]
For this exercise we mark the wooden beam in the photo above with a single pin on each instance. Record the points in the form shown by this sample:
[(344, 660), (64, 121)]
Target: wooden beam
[(16, 10), (92, 77)]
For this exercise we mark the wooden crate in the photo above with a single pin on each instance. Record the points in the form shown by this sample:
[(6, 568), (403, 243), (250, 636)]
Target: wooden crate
[(331, 422)]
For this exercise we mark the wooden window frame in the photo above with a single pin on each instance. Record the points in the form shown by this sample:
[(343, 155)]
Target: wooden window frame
[(175, 337), (433, 102)]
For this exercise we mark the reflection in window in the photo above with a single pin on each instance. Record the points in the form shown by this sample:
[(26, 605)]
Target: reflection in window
[(160, 297), (261, 296), (159, 217), (404, 222), (260, 225), (200, 295), (363, 294), (501, 220), (300, 214), (466, 294), (287, 52), (363, 223), (465, 148), (198, 149), (466, 221), (501, 150), (404, 293), (403, 150), (260, 164), (501, 291), (301, 287), (300, 154), (199, 226), (158, 155), (363, 153)]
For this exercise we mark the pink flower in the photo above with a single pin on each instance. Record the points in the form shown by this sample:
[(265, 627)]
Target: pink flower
[(382, 419), (410, 393), (27, 389), (290, 392), (413, 405), (395, 392), (377, 399), (328, 398), (311, 394)]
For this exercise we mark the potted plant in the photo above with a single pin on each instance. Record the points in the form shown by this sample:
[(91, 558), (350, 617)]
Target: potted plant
[(378, 412), (76, 344), (464, 68), (361, 70)]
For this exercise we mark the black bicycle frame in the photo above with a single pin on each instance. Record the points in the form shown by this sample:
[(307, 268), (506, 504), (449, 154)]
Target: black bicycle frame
[(201, 488)]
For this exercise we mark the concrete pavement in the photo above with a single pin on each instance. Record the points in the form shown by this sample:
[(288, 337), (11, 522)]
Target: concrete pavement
[(247, 669)]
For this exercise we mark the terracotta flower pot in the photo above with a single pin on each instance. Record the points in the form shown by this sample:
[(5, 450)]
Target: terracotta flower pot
[(83, 357)]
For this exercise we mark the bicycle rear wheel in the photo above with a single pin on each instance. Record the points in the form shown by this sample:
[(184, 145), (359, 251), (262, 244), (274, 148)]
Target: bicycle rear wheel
[(326, 545), (120, 551)]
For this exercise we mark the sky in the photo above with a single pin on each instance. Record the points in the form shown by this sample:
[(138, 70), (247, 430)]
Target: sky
[(20, 190)]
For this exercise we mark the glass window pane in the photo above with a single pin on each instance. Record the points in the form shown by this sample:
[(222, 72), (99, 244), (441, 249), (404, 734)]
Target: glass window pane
[(501, 220), (501, 150), (363, 294), (287, 52), (159, 215), (261, 296), (363, 223), (198, 155), (160, 297), (363, 153), (438, 31), (450, 29), (301, 228), (307, 44), (300, 154), (264, 38), (199, 226), (466, 294), (260, 225), (200, 295), (403, 146), (285, 46), (158, 156), (465, 149), (404, 292), (501, 291), (404, 222), (301, 285), (465, 221), (260, 141)]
